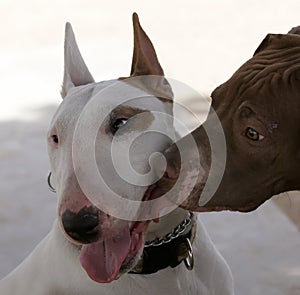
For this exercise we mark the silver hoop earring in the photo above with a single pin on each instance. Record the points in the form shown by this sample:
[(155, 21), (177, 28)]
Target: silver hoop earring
[(50, 186)]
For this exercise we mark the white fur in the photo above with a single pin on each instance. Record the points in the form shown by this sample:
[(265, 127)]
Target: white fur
[(53, 268)]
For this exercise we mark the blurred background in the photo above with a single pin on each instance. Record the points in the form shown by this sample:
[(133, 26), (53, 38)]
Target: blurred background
[(200, 43)]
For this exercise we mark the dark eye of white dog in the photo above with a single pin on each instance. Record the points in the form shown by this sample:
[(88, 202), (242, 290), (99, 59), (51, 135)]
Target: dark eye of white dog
[(55, 138), (253, 134), (118, 123)]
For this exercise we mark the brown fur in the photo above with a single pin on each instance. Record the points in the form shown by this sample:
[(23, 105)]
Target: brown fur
[(263, 94)]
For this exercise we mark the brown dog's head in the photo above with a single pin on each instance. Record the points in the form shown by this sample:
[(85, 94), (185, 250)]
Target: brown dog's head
[(259, 110)]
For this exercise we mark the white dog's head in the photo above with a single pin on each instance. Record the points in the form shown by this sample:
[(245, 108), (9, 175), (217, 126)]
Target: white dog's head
[(113, 119)]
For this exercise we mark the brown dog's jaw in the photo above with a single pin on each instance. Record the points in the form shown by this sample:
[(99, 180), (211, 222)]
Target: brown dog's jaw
[(184, 178)]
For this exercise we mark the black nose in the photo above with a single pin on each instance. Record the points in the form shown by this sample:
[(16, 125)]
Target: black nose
[(82, 226)]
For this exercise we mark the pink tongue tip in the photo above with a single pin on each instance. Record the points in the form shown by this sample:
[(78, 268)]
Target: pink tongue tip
[(102, 260)]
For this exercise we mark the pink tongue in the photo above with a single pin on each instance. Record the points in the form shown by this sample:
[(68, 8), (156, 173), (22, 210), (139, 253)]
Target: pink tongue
[(102, 260)]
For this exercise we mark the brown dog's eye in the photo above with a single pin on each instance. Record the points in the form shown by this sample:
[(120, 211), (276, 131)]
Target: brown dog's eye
[(253, 134)]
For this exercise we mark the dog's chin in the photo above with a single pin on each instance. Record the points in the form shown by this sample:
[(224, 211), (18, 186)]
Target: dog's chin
[(131, 261), (108, 259)]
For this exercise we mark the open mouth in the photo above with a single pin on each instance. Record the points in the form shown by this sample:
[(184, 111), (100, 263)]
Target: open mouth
[(104, 261)]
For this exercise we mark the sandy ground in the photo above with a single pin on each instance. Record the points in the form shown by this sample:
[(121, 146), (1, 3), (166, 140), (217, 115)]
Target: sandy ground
[(199, 42)]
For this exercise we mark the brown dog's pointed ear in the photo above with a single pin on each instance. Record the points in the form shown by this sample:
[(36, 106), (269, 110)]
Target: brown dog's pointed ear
[(265, 43), (144, 60), (294, 31), (280, 41), (76, 72)]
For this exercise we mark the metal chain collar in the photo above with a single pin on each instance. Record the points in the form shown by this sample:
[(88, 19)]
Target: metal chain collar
[(175, 233)]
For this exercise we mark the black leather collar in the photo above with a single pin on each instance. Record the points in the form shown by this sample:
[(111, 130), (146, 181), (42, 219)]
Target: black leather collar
[(171, 254)]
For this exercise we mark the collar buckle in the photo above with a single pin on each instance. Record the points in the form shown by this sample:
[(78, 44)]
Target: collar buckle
[(189, 260)]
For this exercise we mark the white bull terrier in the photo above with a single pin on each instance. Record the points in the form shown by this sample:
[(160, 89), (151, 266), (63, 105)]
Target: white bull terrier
[(89, 251)]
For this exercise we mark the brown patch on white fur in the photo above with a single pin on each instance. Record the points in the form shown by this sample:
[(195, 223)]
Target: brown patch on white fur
[(157, 86), (165, 99), (129, 112)]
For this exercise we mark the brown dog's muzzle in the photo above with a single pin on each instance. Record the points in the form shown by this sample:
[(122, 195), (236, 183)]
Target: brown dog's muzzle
[(179, 173)]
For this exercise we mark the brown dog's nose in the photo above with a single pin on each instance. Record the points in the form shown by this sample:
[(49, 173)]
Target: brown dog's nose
[(82, 226)]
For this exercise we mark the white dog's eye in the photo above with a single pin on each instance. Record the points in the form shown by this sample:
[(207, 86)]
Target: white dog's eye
[(253, 134), (118, 123), (55, 138)]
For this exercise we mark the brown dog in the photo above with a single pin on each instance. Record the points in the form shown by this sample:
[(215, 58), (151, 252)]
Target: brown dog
[(259, 110)]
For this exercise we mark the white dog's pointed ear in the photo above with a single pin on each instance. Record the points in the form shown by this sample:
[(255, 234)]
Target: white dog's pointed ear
[(144, 60), (76, 72)]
